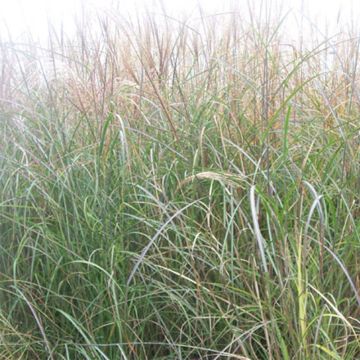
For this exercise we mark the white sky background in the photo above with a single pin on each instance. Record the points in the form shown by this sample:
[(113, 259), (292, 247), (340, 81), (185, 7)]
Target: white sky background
[(19, 17)]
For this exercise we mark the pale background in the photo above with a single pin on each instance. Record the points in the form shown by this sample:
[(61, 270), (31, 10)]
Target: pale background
[(19, 17)]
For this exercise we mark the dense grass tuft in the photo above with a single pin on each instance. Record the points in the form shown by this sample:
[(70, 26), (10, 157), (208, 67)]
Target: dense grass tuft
[(179, 190)]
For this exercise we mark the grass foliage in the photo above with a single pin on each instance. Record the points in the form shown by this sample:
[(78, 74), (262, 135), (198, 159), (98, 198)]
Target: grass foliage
[(180, 190)]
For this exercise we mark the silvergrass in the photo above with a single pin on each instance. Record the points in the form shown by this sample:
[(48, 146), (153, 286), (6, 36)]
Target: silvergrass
[(180, 190)]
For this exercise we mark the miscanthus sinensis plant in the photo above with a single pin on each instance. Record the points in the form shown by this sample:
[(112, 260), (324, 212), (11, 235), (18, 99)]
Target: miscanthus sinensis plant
[(180, 190)]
